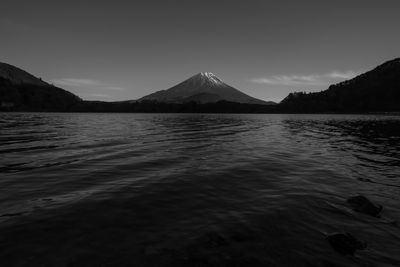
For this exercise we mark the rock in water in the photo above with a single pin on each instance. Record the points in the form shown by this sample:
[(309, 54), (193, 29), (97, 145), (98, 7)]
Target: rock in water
[(345, 243), (214, 240), (364, 205)]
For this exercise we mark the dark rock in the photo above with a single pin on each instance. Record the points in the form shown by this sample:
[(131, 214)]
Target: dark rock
[(214, 240), (243, 261), (243, 237), (345, 243), (364, 205)]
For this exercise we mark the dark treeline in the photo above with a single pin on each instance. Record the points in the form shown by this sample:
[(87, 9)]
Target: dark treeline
[(27, 97), (158, 107), (294, 103)]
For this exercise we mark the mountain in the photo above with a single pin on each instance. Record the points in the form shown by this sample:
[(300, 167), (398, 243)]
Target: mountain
[(202, 88), (17, 76), (377, 90), (20, 90)]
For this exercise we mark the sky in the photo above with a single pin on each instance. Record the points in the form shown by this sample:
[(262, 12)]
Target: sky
[(120, 50)]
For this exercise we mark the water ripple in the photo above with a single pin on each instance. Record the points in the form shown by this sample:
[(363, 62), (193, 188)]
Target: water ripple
[(173, 177)]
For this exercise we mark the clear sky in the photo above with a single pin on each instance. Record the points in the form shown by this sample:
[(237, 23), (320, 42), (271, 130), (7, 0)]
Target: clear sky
[(119, 50)]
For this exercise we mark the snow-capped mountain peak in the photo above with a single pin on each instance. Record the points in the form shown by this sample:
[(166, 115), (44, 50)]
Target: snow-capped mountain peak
[(204, 87), (211, 77)]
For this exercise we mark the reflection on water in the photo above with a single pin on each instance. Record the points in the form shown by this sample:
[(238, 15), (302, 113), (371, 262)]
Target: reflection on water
[(195, 190)]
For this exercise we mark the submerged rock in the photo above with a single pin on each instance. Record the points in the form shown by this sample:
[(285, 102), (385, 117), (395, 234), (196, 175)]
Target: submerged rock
[(214, 240), (364, 205), (345, 243)]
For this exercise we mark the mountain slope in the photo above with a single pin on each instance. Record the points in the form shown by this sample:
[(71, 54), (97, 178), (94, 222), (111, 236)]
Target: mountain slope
[(20, 90), (204, 87), (374, 91), (18, 76)]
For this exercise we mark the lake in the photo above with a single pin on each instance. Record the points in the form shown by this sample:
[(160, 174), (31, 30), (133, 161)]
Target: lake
[(196, 189)]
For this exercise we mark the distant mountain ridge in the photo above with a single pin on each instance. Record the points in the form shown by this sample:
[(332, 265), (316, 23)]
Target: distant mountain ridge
[(374, 91), (204, 87), (21, 91), (18, 76)]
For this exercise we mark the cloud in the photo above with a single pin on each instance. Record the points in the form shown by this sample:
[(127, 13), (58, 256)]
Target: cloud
[(98, 95), (344, 75), (313, 79), (86, 83)]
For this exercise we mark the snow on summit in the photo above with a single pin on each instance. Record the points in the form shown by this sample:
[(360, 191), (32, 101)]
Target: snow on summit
[(211, 77)]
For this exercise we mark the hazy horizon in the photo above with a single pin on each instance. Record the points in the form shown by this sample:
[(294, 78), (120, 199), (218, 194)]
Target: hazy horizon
[(125, 50)]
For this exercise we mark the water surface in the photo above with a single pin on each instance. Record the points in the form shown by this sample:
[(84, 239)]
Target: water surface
[(196, 189)]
